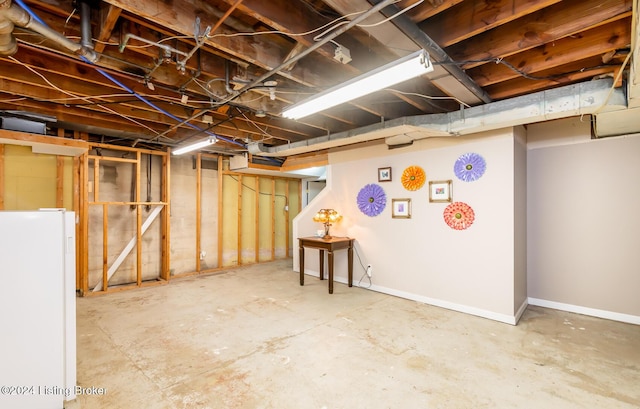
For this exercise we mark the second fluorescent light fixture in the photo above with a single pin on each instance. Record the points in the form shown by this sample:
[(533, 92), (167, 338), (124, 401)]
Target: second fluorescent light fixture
[(195, 146), (411, 66)]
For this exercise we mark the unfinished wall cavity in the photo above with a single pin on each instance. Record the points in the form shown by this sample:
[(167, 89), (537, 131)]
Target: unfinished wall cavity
[(124, 196), (256, 215), (145, 216), (32, 181)]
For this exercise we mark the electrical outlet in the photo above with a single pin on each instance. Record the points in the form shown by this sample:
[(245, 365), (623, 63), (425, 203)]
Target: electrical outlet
[(369, 270)]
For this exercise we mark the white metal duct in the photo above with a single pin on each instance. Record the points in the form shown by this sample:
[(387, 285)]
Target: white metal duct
[(573, 100)]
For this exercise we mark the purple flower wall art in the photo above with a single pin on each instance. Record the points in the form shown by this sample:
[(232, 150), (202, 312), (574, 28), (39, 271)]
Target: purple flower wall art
[(469, 167), (371, 200)]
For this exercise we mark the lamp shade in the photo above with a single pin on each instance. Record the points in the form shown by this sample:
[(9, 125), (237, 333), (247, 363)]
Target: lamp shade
[(327, 217)]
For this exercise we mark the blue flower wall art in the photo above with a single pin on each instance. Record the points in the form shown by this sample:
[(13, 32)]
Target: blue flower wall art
[(371, 200), (469, 167)]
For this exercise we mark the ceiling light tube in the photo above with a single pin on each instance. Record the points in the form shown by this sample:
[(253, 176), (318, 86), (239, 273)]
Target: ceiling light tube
[(195, 146), (405, 68)]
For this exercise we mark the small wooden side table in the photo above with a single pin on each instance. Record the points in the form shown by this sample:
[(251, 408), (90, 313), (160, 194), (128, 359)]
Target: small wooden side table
[(330, 245)]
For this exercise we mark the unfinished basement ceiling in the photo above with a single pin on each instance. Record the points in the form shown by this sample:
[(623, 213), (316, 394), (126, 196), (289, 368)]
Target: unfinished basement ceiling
[(170, 73)]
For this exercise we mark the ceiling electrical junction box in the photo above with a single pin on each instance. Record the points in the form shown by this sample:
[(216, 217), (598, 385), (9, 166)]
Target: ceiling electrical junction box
[(342, 54)]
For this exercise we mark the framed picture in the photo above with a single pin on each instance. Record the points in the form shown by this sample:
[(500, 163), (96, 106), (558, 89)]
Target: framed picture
[(401, 208), (440, 191), (384, 174)]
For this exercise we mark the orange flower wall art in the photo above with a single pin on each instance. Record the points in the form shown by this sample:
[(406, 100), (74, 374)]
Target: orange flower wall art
[(413, 178)]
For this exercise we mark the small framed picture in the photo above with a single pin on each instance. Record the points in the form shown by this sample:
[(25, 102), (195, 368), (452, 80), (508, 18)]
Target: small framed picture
[(384, 174), (401, 208), (440, 191)]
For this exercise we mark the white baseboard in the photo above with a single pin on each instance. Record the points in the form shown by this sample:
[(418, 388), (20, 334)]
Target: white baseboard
[(507, 319), (609, 315), (513, 320), (521, 310)]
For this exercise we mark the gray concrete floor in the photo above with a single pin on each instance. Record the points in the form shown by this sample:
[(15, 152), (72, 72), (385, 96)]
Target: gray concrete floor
[(254, 338)]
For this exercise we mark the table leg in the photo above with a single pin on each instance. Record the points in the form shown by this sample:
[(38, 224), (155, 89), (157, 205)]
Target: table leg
[(321, 264), (301, 265), (350, 265), (330, 272)]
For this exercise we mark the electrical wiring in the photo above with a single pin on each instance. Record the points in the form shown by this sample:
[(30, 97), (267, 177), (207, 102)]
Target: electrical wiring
[(69, 18), (393, 16), (124, 87), (46, 80), (516, 70), (286, 202), (430, 96), (331, 25), (264, 131), (14, 100), (364, 268), (634, 39), (228, 99)]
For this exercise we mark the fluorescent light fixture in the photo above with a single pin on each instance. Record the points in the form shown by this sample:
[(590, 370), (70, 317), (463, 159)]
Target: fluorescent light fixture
[(405, 68), (195, 146)]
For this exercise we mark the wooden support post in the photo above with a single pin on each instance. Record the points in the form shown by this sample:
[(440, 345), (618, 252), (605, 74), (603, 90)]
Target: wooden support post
[(60, 176), (220, 213), (198, 210), (299, 196), (239, 250), (165, 188), (83, 238), (76, 208), (138, 222), (257, 219), (96, 180), (1, 176), (287, 222), (59, 182), (273, 218), (105, 243)]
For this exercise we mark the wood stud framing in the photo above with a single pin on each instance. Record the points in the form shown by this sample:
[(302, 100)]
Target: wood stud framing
[(273, 221), (60, 181), (88, 196), (198, 210), (165, 196), (83, 236)]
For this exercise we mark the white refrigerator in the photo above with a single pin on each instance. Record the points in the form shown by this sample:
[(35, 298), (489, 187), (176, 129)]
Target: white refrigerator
[(37, 309)]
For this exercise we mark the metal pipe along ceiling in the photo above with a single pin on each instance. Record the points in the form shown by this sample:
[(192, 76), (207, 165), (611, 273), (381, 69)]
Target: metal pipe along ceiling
[(13, 15)]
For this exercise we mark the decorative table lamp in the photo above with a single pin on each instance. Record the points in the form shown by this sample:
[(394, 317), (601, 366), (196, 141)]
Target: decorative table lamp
[(327, 216)]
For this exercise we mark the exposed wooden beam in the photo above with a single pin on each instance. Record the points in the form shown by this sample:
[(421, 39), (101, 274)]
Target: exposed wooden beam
[(538, 28), (594, 42), (44, 143), (471, 18), (259, 50), (305, 161), (581, 70), (108, 16), (422, 13)]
